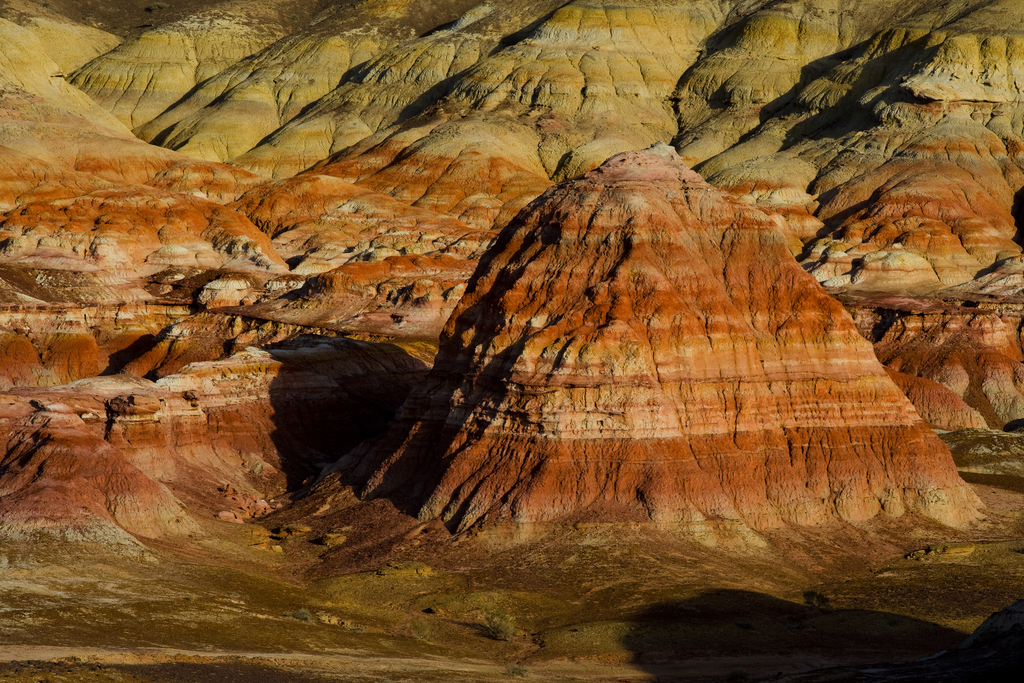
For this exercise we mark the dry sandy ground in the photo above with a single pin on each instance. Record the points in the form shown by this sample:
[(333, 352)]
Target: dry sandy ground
[(588, 603)]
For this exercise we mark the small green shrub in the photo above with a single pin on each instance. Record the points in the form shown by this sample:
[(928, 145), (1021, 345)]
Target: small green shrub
[(302, 614), (517, 670), (420, 629), (499, 624)]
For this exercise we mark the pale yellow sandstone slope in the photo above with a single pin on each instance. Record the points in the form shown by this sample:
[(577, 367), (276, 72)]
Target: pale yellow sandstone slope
[(68, 43), (25, 64), (143, 76), (393, 86), (909, 151), (588, 80), (232, 112)]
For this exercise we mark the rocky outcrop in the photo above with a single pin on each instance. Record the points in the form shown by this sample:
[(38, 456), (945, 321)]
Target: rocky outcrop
[(361, 261), (602, 73), (886, 139), (752, 68), (639, 345), (931, 217), (59, 143), (401, 297), (202, 338), (320, 222), (118, 459), (588, 80), (58, 478), (888, 135), (974, 353), (125, 232)]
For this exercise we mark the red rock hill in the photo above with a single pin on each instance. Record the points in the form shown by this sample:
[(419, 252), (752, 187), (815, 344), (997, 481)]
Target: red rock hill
[(637, 345)]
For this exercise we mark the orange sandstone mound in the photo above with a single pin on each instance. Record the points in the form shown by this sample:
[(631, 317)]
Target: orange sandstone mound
[(128, 231), (58, 478), (638, 345)]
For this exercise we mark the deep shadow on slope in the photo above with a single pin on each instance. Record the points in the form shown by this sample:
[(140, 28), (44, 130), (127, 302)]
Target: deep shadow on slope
[(995, 661), (331, 395), (735, 635)]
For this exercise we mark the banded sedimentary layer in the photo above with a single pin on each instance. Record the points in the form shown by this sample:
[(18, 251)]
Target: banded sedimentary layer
[(638, 344), (118, 458), (969, 355)]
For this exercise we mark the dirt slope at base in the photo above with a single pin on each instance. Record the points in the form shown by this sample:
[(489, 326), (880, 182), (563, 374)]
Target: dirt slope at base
[(594, 602)]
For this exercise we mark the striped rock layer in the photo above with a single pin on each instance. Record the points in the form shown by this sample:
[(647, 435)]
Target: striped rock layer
[(638, 345)]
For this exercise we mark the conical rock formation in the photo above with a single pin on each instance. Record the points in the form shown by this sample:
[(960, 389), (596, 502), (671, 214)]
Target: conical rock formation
[(639, 345)]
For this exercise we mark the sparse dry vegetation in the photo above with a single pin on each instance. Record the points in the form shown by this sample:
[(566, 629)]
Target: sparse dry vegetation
[(499, 625)]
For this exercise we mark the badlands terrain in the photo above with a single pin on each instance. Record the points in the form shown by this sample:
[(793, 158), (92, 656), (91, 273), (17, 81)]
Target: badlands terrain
[(567, 340)]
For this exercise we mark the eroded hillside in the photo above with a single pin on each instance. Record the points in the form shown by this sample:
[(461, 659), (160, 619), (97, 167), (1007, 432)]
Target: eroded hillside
[(233, 235)]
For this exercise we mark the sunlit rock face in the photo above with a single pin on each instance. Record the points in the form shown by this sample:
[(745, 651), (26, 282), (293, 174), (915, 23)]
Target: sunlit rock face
[(347, 169), (145, 75), (637, 344), (906, 154), (888, 136), (954, 356), (129, 231)]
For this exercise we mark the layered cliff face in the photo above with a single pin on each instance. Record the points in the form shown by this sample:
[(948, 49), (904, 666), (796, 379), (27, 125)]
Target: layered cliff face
[(118, 458), (61, 479), (639, 345), (957, 356)]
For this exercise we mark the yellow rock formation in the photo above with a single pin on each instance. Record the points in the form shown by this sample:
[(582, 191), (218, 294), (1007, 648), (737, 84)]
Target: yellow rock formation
[(142, 77)]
